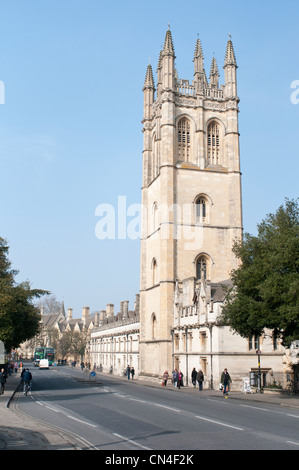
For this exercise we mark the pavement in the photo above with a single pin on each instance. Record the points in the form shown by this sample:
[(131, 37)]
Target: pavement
[(20, 432)]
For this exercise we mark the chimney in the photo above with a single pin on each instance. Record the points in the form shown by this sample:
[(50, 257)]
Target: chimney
[(69, 314), (125, 309), (110, 310), (96, 319), (85, 314), (137, 303)]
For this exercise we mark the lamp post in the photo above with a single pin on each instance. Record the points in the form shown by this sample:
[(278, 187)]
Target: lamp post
[(259, 385)]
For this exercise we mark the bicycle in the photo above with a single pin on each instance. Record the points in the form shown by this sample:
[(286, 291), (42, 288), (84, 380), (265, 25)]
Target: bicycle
[(27, 388)]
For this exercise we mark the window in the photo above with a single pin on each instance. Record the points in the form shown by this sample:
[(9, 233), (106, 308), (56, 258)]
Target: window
[(154, 326), (201, 268), (213, 144), (254, 343), (183, 140), (201, 209), (154, 271)]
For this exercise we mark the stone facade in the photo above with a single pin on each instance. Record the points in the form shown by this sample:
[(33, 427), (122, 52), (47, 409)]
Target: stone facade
[(191, 193), (191, 215)]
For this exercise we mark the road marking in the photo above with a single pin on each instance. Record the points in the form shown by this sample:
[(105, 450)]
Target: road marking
[(131, 442), (139, 401), (294, 443), (167, 407), (293, 416), (52, 409), (221, 424), (80, 421), (255, 407), (217, 401)]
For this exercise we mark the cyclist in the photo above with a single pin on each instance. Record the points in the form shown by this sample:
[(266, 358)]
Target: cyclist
[(27, 377)]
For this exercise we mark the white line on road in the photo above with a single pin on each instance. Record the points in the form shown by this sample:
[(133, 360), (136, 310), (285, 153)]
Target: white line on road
[(139, 401), (255, 408), (167, 407), (80, 421), (52, 409), (294, 443), (132, 442), (293, 416), (221, 424)]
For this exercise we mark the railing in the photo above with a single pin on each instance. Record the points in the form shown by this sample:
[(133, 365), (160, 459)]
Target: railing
[(185, 89), (213, 93)]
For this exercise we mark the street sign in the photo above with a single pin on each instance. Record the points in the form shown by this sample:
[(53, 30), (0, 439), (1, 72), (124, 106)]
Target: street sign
[(93, 374), (258, 352)]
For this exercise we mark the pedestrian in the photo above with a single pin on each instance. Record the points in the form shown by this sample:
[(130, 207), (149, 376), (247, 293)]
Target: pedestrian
[(22, 374), (200, 379), (3, 377), (193, 377), (128, 372), (179, 379), (175, 377), (165, 378), (225, 380), (132, 372)]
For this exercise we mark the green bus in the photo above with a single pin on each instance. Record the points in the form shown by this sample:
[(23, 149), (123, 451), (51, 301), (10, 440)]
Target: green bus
[(44, 353)]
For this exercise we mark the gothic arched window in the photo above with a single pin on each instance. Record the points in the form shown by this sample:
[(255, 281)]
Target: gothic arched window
[(154, 326), (184, 140), (213, 144), (154, 271), (201, 268), (201, 209)]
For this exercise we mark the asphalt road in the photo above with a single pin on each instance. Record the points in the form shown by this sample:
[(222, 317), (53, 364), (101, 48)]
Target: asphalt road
[(114, 414)]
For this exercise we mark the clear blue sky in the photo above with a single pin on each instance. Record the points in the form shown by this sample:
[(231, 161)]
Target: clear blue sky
[(70, 127)]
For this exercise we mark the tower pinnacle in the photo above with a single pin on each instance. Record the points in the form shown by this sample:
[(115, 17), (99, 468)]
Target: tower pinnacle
[(230, 58)]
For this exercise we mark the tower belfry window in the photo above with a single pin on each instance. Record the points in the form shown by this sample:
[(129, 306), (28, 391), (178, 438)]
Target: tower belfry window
[(213, 144), (184, 140), (201, 268)]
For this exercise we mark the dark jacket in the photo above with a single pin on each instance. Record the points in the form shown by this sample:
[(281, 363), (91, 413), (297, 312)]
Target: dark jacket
[(225, 378), (3, 377), (27, 376), (200, 376)]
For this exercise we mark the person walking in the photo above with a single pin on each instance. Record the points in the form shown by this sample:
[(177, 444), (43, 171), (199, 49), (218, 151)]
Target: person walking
[(179, 379), (3, 377), (193, 377), (200, 379), (175, 377), (132, 372), (225, 380), (128, 372), (165, 377)]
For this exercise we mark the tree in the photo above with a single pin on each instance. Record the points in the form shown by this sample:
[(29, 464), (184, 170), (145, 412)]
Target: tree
[(50, 305), (19, 319), (265, 287), (75, 342)]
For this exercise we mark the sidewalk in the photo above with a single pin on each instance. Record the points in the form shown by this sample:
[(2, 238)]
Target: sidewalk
[(22, 433)]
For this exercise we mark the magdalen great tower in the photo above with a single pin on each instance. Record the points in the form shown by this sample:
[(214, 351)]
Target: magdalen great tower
[(191, 191)]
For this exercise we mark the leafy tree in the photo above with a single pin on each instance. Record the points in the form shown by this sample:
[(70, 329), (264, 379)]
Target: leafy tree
[(19, 319), (265, 288)]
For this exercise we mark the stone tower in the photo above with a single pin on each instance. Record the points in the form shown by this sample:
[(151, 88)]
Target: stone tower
[(191, 191)]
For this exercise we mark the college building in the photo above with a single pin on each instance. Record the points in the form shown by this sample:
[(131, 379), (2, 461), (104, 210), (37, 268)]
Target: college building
[(191, 216)]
